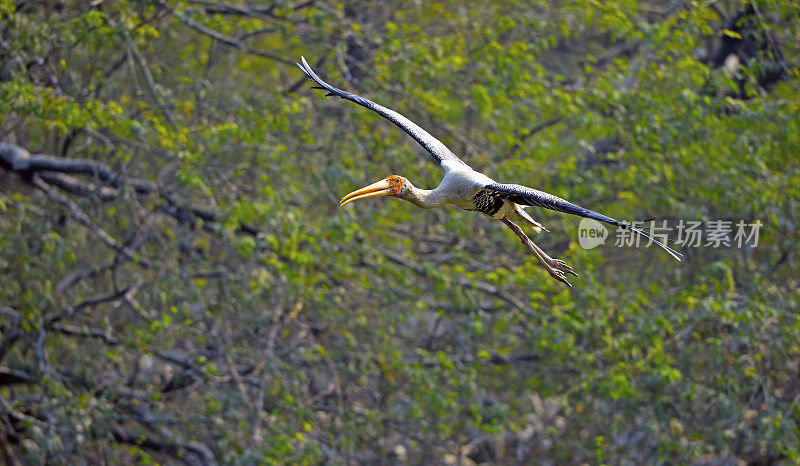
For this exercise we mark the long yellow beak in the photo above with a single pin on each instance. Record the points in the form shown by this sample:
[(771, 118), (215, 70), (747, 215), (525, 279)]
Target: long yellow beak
[(381, 188)]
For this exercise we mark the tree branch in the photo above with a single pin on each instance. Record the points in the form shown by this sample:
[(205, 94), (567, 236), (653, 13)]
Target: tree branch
[(199, 454), (533, 130), (81, 217), (13, 377), (55, 171), (463, 282), (229, 41), (86, 332), (94, 301), (18, 159)]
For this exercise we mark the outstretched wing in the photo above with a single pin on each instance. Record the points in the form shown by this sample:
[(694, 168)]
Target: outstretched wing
[(439, 151), (533, 197)]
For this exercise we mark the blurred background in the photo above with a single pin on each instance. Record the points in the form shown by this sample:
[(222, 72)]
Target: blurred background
[(179, 285)]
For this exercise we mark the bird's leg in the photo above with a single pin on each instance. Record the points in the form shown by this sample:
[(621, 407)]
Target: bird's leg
[(555, 263), (555, 267)]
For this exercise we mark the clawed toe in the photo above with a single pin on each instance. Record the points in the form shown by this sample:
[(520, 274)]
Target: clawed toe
[(555, 267), (558, 264), (559, 275)]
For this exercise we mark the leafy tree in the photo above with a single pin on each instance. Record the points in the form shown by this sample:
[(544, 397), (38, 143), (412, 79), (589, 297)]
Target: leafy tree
[(178, 283)]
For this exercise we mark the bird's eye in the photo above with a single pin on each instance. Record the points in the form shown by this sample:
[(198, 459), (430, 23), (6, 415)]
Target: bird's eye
[(397, 182)]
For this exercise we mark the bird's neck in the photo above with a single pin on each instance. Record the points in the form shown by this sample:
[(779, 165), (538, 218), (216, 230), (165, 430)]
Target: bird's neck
[(425, 198)]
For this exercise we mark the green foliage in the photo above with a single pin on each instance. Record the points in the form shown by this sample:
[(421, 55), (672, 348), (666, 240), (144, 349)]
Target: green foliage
[(282, 329)]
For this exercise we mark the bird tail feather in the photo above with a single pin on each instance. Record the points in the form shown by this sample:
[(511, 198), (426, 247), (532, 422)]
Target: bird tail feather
[(650, 237)]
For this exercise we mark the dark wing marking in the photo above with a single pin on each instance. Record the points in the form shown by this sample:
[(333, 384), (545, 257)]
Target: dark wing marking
[(439, 151), (488, 201), (533, 197)]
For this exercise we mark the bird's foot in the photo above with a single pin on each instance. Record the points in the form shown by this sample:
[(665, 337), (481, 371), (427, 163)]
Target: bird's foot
[(562, 266), (558, 275), (558, 269), (555, 267)]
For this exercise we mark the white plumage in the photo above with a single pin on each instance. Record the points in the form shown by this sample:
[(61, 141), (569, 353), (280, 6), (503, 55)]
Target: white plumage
[(470, 190)]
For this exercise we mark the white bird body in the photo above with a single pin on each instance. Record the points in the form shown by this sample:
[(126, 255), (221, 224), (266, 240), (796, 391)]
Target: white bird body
[(469, 189), (458, 187), (460, 183)]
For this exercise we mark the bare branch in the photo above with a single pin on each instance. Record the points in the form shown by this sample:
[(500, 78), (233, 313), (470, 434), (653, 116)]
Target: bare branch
[(13, 377), (10, 337), (81, 274), (81, 217), (263, 12), (238, 379), (91, 302), (145, 69), (74, 186), (463, 282), (18, 159), (104, 335), (533, 130), (39, 351), (53, 171), (255, 11), (193, 452), (229, 41)]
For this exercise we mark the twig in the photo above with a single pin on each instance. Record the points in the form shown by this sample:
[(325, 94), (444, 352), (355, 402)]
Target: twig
[(81, 217), (54, 170), (91, 302), (463, 282), (229, 41), (135, 144), (775, 50), (200, 454), (533, 130), (10, 337), (39, 351), (81, 274), (262, 12), (86, 332), (237, 379), (145, 69)]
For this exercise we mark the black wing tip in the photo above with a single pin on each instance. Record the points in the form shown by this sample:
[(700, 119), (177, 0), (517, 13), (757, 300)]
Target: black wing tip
[(305, 68), (310, 74), (678, 256), (304, 65), (538, 198), (435, 147)]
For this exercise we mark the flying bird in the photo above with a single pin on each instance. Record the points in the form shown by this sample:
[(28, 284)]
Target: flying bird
[(469, 189)]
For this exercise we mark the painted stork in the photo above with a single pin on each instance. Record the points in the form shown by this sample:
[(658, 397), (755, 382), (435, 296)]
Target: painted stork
[(470, 190)]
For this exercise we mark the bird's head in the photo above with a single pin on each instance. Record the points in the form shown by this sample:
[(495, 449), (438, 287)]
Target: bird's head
[(393, 185)]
